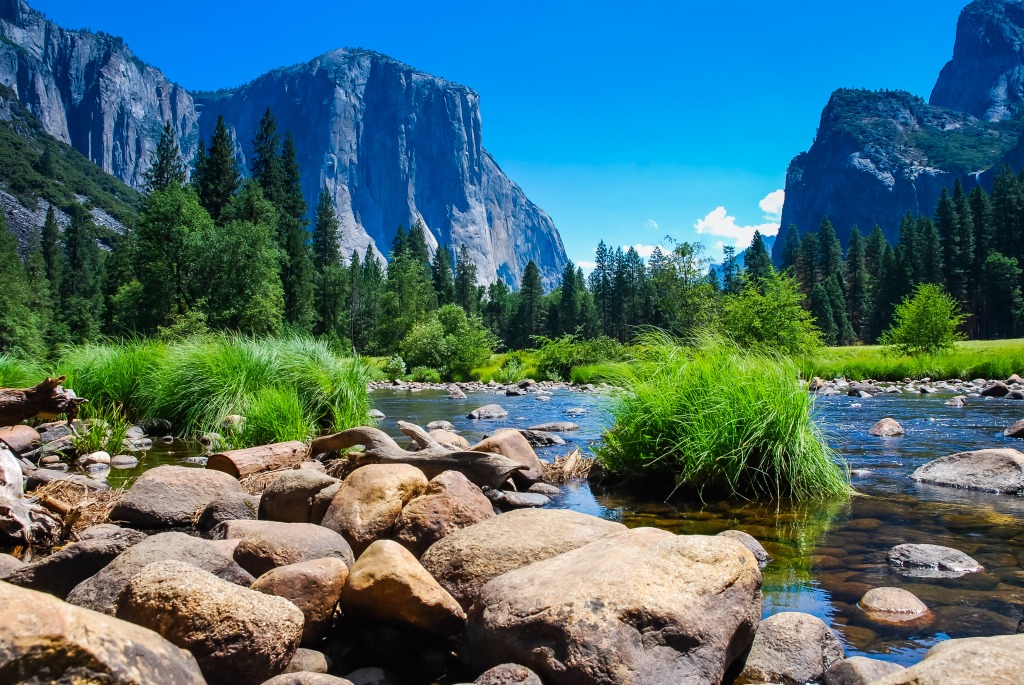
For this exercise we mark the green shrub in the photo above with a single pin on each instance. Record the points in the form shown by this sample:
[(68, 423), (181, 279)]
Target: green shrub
[(770, 315), (557, 357), (394, 368), (512, 369), (719, 421), (925, 323), (422, 374), (448, 341)]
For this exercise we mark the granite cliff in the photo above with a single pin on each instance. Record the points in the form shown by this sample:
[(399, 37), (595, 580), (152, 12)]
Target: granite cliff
[(392, 145)]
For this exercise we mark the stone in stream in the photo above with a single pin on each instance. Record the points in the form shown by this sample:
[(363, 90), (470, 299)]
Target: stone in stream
[(466, 559), (43, 639), (489, 411), (441, 426), (123, 461), (237, 635), (1016, 430), (171, 496), (575, 411), (1015, 395), (639, 606), (991, 470), (545, 489), (265, 545), (997, 389), (859, 670), (887, 428), (791, 647), (893, 605), (510, 499), (450, 503), (510, 443), (377, 414), (931, 561), (313, 586), (995, 660), (555, 427), (751, 543), (816, 384), (289, 498), (457, 394), (448, 439), (541, 438), (958, 401)]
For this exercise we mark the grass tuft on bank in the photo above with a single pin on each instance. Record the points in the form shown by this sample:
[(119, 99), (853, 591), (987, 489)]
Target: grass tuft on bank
[(719, 421)]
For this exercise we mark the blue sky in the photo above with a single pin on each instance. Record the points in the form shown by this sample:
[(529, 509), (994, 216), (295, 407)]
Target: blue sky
[(624, 121)]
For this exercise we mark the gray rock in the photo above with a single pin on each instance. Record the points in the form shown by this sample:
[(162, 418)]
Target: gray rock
[(991, 660), (997, 389), (100, 592), (958, 401), (489, 411), (545, 489), (887, 428), (233, 506), (859, 670), (36, 478), (992, 470), (893, 605), (1016, 430), (307, 661), (170, 496), (521, 500), (931, 561), (575, 411), (542, 438), (123, 461), (306, 678), (290, 497), (377, 414), (265, 545), (9, 564), (791, 647), (441, 425), (556, 427), (751, 543)]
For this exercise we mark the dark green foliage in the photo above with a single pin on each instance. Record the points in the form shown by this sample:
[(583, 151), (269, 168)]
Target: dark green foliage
[(448, 342), (82, 295), (769, 315), (442, 276), (857, 283), (791, 249), (1000, 296), (529, 316), (21, 330), (266, 160), (216, 176), (757, 261), (331, 278), (296, 269), (830, 252), (465, 282), (166, 169), (925, 323), (557, 357)]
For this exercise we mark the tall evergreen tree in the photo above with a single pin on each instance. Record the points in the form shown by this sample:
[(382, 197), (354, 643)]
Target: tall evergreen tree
[(55, 263), (857, 282), (266, 160), (830, 252), (41, 298), (331, 279), (465, 281), (569, 302), (20, 330), (443, 276), (600, 281), (218, 179), (930, 251), (964, 288), (757, 260), (946, 225), (791, 249), (732, 277), (821, 310), (82, 295), (1001, 297), (874, 248), (296, 276), (807, 263), (844, 334), (530, 312), (166, 168)]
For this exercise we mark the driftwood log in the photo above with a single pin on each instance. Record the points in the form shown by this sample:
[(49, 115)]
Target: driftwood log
[(48, 399), (242, 463), (482, 468)]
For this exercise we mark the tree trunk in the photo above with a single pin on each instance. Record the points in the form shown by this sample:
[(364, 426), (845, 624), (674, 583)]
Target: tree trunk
[(48, 399), (242, 463)]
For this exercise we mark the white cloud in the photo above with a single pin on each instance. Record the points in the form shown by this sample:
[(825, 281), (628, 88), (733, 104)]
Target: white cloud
[(651, 225), (587, 266), (646, 251), (719, 223)]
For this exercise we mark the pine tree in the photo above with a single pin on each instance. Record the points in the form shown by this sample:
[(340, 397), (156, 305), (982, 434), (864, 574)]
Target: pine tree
[(600, 281), (757, 260), (266, 160), (930, 250), (1001, 296), (82, 295), (857, 283), (530, 312), (821, 310), (791, 249), (830, 252), (964, 289), (499, 312), (40, 299), (946, 225), (1007, 213), (55, 263), (465, 281), (568, 302), (874, 249), (732, 277), (20, 330), (166, 168), (296, 271), (807, 263), (218, 179), (443, 276), (844, 334), (331, 279), (909, 240), (199, 166)]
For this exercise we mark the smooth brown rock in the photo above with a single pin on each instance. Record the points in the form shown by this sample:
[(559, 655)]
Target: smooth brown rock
[(791, 647), (322, 502), (751, 543), (508, 674), (892, 605), (990, 660), (1016, 430), (237, 635), (43, 638), (388, 584), (450, 439), (887, 428), (9, 564), (859, 670), (170, 496), (307, 661), (313, 586), (991, 470), (307, 678), (235, 506), (290, 497), (511, 443), (100, 592), (465, 560), (265, 545), (450, 503), (640, 606), (370, 501)]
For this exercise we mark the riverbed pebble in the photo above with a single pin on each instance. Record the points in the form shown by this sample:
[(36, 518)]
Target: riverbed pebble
[(892, 605)]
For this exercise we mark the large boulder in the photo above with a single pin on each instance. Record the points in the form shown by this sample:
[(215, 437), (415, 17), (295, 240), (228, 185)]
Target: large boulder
[(265, 545), (172, 496), (43, 639), (640, 606), (859, 670), (313, 586), (100, 592), (9, 564), (235, 506), (388, 584), (465, 560), (793, 648), (993, 470), (290, 497), (511, 443), (59, 573), (449, 439), (931, 561), (237, 635), (370, 501), (991, 660), (451, 502), (751, 543)]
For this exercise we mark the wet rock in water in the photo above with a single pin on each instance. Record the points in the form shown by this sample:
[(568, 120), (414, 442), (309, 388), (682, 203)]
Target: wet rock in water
[(196, 461), (576, 411), (640, 606), (440, 426), (751, 543), (313, 586), (1016, 430), (931, 561), (514, 391), (377, 414), (508, 674), (887, 428), (450, 503), (1015, 379), (1015, 395), (467, 559), (510, 443), (268, 544), (893, 605), (555, 427), (289, 498), (236, 634), (992, 470), (156, 428), (307, 661), (171, 496), (457, 394), (958, 401), (510, 499), (543, 398), (388, 584), (235, 506), (100, 592), (792, 647), (541, 438), (545, 489), (490, 411), (991, 660), (307, 678), (816, 384), (859, 670), (36, 478), (100, 457), (927, 390), (42, 638), (370, 501), (59, 573), (997, 389), (123, 461)]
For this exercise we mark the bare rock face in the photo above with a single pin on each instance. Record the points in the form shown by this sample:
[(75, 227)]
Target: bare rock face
[(992, 660), (41, 636), (641, 606), (792, 647), (388, 584), (236, 634), (467, 559)]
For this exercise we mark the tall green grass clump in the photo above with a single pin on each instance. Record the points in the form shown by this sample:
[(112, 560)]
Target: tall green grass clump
[(720, 422), (113, 373), (19, 373)]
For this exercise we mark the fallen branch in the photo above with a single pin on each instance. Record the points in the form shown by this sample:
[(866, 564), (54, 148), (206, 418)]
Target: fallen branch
[(48, 399), (252, 460)]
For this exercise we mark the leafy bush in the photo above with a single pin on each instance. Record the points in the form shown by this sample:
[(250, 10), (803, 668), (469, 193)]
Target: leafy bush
[(925, 323), (448, 341), (394, 368), (719, 421), (512, 369), (770, 315), (423, 374), (557, 357)]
